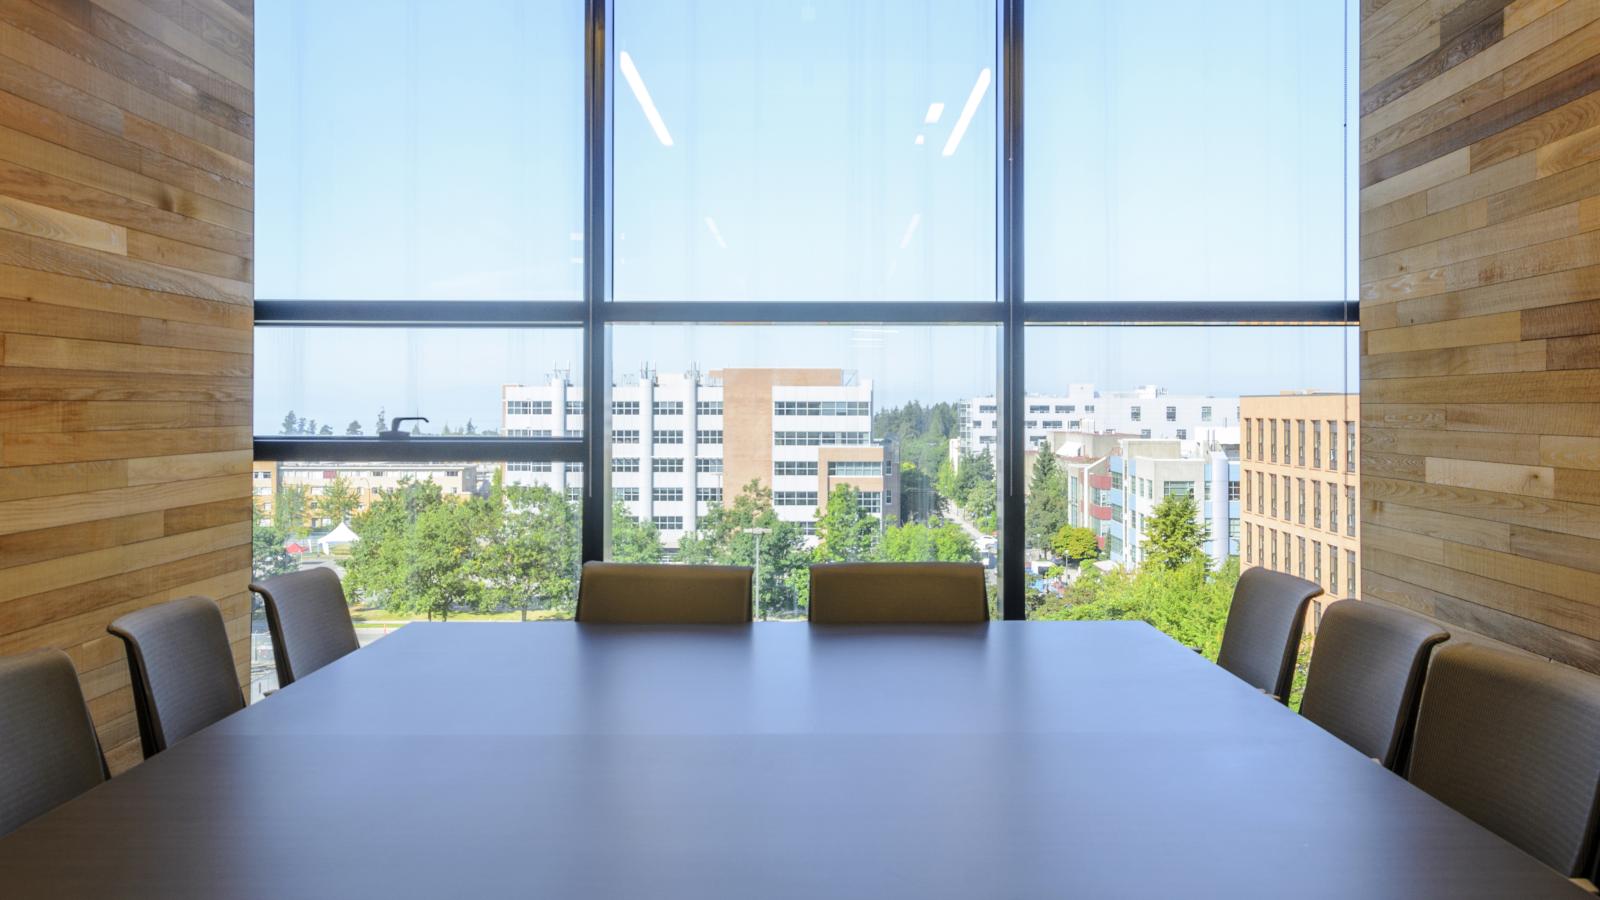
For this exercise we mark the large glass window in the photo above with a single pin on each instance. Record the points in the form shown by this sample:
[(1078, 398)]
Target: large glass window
[(419, 149), (805, 150)]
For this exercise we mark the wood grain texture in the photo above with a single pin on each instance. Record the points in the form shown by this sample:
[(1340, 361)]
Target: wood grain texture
[(1480, 286), (126, 190)]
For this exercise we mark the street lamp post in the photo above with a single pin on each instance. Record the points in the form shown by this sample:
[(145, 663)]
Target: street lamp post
[(758, 532)]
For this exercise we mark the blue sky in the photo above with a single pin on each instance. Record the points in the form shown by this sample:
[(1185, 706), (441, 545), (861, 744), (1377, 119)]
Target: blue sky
[(432, 150)]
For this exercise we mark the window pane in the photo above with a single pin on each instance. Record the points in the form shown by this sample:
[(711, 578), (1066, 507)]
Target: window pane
[(837, 441), (1134, 515), (419, 149), (410, 541), (1225, 182), (344, 381), (805, 149)]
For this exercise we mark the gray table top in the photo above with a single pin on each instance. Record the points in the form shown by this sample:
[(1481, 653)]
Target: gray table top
[(775, 760)]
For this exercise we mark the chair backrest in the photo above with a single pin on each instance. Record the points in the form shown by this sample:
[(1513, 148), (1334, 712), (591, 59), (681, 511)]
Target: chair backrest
[(1513, 743), (48, 749), (1262, 637), (181, 667), (660, 594), (897, 593), (1366, 676), (309, 620)]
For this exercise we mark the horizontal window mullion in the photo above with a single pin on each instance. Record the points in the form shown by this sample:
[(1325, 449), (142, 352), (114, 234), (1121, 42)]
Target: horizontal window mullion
[(419, 449), (1187, 312), (820, 312), (423, 313)]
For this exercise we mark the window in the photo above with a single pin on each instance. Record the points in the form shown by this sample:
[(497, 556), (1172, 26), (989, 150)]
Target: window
[(1261, 497), (1177, 489), (1274, 482), (853, 468), (1133, 414), (1300, 556), (1274, 550), (1183, 434), (871, 502), (1333, 569), (708, 494), (519, 408), (667, 494), (1300, 441), (625, 436), (1172, 414), (1273, 424), (1350, 573), (708, 465), (1260, 455), (666, 464), (1316, 561), (626, 494), (794, 498), (1350, 510), (1349, 446), (1233, 489), (820, 408), (1333, 445), (666, 436), (667, 407), (624, 407), (1333, 507), (1054, 424), (1287, 440), (1246, 435), (1316, 444), (574, 407), (574, 493), (1300, 494), (668, 523), (624, 463), (1316, 505), (708, 407), (819, 438), (1068, 408), (708, 436), (1247, 491), (1205, 416)]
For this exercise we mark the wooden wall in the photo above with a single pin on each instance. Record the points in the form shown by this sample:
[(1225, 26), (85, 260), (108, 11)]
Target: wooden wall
[(125, 325), (1480, 316)]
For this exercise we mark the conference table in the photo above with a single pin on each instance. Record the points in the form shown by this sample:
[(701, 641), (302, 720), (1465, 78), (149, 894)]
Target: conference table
[(1095, 759)]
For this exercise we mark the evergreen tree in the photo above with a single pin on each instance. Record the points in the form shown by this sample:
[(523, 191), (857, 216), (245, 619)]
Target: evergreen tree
[(326, 431), (471, 428), (300, 425), (383, 422), (353, 429), (291, 425), (1048, 510), (1176, 536)]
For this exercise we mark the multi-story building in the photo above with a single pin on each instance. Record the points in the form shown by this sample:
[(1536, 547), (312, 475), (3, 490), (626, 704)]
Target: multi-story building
[(1301, 477), (1115, 481), (1148, 412), (679, 441), (367, 479)]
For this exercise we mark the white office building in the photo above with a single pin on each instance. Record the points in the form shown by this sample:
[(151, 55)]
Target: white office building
[(1148, 412)]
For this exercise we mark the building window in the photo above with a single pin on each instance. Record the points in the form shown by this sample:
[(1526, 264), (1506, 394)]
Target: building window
[(1134, 414), (794, 498), (871, 502), (1274, 550), (667, 436), (1261, 495), (1247, 491), (1261, 544), (1177, 489), (1333, 507), (1054, 424), (708, 436), (1316, 561), (1350, 510), (668, 523), (711, 465), (1300, 555), (708, 494), (1316, 444), (793, 467), (1183, 434), (667, 494), (1260, 440), (986, 407), (1247, 556), (1288, 514), (625, 436), (1246, 434), (1287, 440), (849, 468), (1350, 573), (1333, 445), (708, 407), (574, 407), (1031, 423), (1274, 444), (1300, 493), (666, 464), (626, 494), (821, 408), (1274, 483), (1300, 441), (1039, 409), (1205, 416), (574, 493), (1172, 414), (518, 408), (821, 438), (1333, 569), (1316, 505), (624, 463), (624, 407), (519, 467), (667, 408), (1349, 446), (1233, 490)]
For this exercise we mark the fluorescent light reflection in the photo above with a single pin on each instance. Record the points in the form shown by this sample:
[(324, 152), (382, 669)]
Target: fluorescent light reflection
[(716, 233), (641, 93), (979, 88), (935, 110), (918, 141), (911, 229)]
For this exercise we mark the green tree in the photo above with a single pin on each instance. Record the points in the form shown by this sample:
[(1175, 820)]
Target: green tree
[(267, 556), (1047, 508), (339, 500), (927, 542), (724, 537), (1189, 603), (376, 571), (527, 553), (382, 424), (1075, 544), (845, 533), (920, 499), (439, 575), (1176, 535), (353, 429), (291, 507), (291, 424), (325, 431), (633, 540)]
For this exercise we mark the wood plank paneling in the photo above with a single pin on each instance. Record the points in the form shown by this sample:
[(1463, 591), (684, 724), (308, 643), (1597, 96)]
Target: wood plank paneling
[(126, 189), (1480, 285)]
